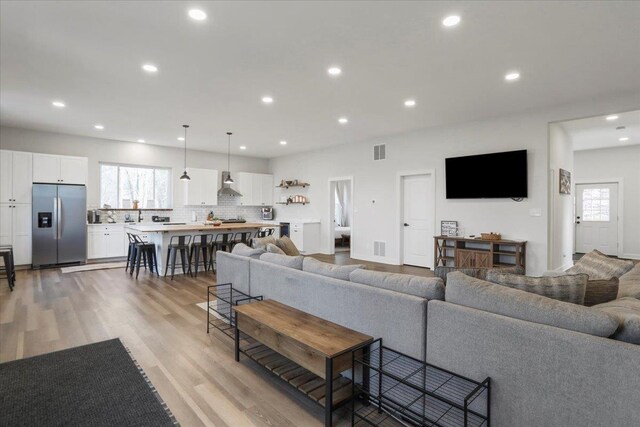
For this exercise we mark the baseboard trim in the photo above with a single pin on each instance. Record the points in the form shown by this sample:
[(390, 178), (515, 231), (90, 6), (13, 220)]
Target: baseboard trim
[(631, 256), (373, 258)]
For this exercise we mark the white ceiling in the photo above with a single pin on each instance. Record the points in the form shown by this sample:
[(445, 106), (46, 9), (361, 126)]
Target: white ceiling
[(212, 74), (598, 132)]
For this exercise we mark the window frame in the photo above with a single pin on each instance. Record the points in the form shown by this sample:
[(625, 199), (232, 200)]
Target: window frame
[(132, 165)]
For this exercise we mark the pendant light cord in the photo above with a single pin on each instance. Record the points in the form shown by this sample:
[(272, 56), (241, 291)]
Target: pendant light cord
[(185, 146), (229, 152)]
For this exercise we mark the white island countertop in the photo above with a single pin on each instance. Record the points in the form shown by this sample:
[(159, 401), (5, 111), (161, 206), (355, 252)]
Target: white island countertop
[(159, 228)]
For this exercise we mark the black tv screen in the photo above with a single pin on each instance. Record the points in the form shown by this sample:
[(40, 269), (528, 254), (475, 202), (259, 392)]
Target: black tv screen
[(487, 176)]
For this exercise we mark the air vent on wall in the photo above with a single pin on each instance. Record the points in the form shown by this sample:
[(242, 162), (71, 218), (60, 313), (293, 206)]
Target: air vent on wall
[(379, 152), (379, 248)]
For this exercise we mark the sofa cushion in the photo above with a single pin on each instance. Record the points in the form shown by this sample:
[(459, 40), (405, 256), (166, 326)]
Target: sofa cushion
[(262, 242), (287, 246), (630, 283), (425, 287), (341, 272), (627, 311), (244, 250), (601, 291), (273, 249), (600, 267), (487, 296), (478, 273), (284, 260), (567, 288)]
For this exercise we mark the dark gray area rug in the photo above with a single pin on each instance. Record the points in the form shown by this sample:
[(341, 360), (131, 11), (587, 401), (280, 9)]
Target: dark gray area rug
[(93, 385)]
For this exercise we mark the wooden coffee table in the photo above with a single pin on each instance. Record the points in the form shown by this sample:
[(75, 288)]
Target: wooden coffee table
[(321, 347)]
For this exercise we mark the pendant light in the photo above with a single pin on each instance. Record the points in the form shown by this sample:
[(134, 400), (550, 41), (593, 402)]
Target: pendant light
[(184, 176), (228, 179)]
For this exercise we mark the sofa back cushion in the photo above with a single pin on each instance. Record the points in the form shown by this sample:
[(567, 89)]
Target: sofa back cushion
[(486, 296), (273, 249), (284, 260), (341, 272), (601, 291), (630, 283), (567, 288), (478, 273), (425, 287), (262, 242), (287, 246), (600, 267), (627, 311), (244, 250)]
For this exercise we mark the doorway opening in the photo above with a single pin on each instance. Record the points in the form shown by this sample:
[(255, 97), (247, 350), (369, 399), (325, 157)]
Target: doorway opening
[(340, 232), (416, 218)]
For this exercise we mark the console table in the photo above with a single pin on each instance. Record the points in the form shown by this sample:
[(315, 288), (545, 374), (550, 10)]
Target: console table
[(465, 252), (304, 350)]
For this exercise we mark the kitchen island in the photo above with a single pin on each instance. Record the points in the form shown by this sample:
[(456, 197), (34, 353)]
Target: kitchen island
[(160, 234)]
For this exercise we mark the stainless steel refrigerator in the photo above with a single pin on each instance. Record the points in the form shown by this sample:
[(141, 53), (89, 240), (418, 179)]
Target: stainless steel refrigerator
[(59, 224)]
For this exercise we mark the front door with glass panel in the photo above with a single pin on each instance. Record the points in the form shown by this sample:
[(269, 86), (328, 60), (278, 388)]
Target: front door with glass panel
[(597, 218)]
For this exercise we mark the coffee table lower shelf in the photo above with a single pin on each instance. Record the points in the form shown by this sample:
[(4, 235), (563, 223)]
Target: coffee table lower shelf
[(298, 377)]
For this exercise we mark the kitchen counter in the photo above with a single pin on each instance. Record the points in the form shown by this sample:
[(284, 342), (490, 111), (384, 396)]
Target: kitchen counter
[(159, 228)]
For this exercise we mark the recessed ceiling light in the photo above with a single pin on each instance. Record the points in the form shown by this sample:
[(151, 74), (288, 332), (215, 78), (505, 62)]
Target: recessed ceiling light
[(410, 103), (334, 71), (242, 147), (181, 138), (141, 140), (283, 142), (623, 139), (150, 68), (510, 77), (612, 118), (343, 120), (99, 127), (267, 99), (197, 14), (451, 21), (58, 104)]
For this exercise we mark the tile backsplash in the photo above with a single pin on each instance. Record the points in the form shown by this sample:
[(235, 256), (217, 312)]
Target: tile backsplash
[(228, 207)]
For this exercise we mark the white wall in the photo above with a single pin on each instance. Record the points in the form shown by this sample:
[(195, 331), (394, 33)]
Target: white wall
[(561, 205), (102, 150), (620, 162), (376, 197)]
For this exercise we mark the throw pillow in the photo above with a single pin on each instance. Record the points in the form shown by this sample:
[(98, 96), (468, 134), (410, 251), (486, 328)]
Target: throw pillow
[(486, 296), (441, 272), (569, 288), (600, 267), (271, 248), (287, 246), (424, 287), (341, 272), (283, 260), (627, 311), (601, 291), (244, 250), (262, 242)]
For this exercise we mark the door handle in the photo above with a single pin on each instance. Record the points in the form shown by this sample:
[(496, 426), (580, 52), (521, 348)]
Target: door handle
[(577, 222), (59, 217), (406, 225)]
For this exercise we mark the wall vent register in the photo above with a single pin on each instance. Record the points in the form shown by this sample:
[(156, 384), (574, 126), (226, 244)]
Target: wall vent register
[(379, 152), (379, 248)]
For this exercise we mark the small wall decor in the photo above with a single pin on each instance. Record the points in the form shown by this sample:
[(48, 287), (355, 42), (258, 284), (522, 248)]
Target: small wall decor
[(565, 182), (449, 228)]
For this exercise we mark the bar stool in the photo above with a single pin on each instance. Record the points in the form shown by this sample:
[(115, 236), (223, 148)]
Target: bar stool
[(9, 269), (265, 231), (146, 252), (177, 244), (201, 243), (131, 253), (241, 237), (222, 242)]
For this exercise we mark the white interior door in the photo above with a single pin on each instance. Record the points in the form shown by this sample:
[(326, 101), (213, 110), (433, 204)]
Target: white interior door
[(417, 194), (597, 218)]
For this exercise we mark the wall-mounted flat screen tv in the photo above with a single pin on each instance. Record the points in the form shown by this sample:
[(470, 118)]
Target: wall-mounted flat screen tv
[(487, 176)]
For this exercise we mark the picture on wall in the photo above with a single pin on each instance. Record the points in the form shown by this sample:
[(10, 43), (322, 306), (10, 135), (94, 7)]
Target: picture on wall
[(449, 228), (565, 182)]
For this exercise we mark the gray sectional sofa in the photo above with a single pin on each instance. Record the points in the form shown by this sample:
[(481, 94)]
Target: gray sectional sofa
[(542, 374)]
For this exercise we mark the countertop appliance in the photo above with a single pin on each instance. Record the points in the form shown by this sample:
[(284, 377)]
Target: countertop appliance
[(59, 230), (156, 218), (93, 216), (234, 221), (267, 214)]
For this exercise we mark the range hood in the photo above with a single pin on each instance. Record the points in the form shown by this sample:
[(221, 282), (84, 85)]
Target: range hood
[(226, 189)]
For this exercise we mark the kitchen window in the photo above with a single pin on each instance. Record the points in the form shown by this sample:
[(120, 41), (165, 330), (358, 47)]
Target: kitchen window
[(121, 185)]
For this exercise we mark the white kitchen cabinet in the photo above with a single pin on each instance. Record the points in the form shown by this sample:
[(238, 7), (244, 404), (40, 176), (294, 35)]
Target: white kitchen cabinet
[(202, 189), (48, 168), (306, 236), (15, 176), (106, 241), (256, 189), (15, 230)]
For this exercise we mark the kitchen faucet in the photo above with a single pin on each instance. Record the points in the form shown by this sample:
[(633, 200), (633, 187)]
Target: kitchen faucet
[(140, 215)]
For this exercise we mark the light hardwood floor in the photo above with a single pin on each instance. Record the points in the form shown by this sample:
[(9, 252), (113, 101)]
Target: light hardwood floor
[(158, 320)]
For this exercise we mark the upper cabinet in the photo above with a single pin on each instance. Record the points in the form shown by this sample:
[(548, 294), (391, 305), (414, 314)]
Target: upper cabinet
[(256, 189), (48, 168), (15, 176), (202, 189)]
